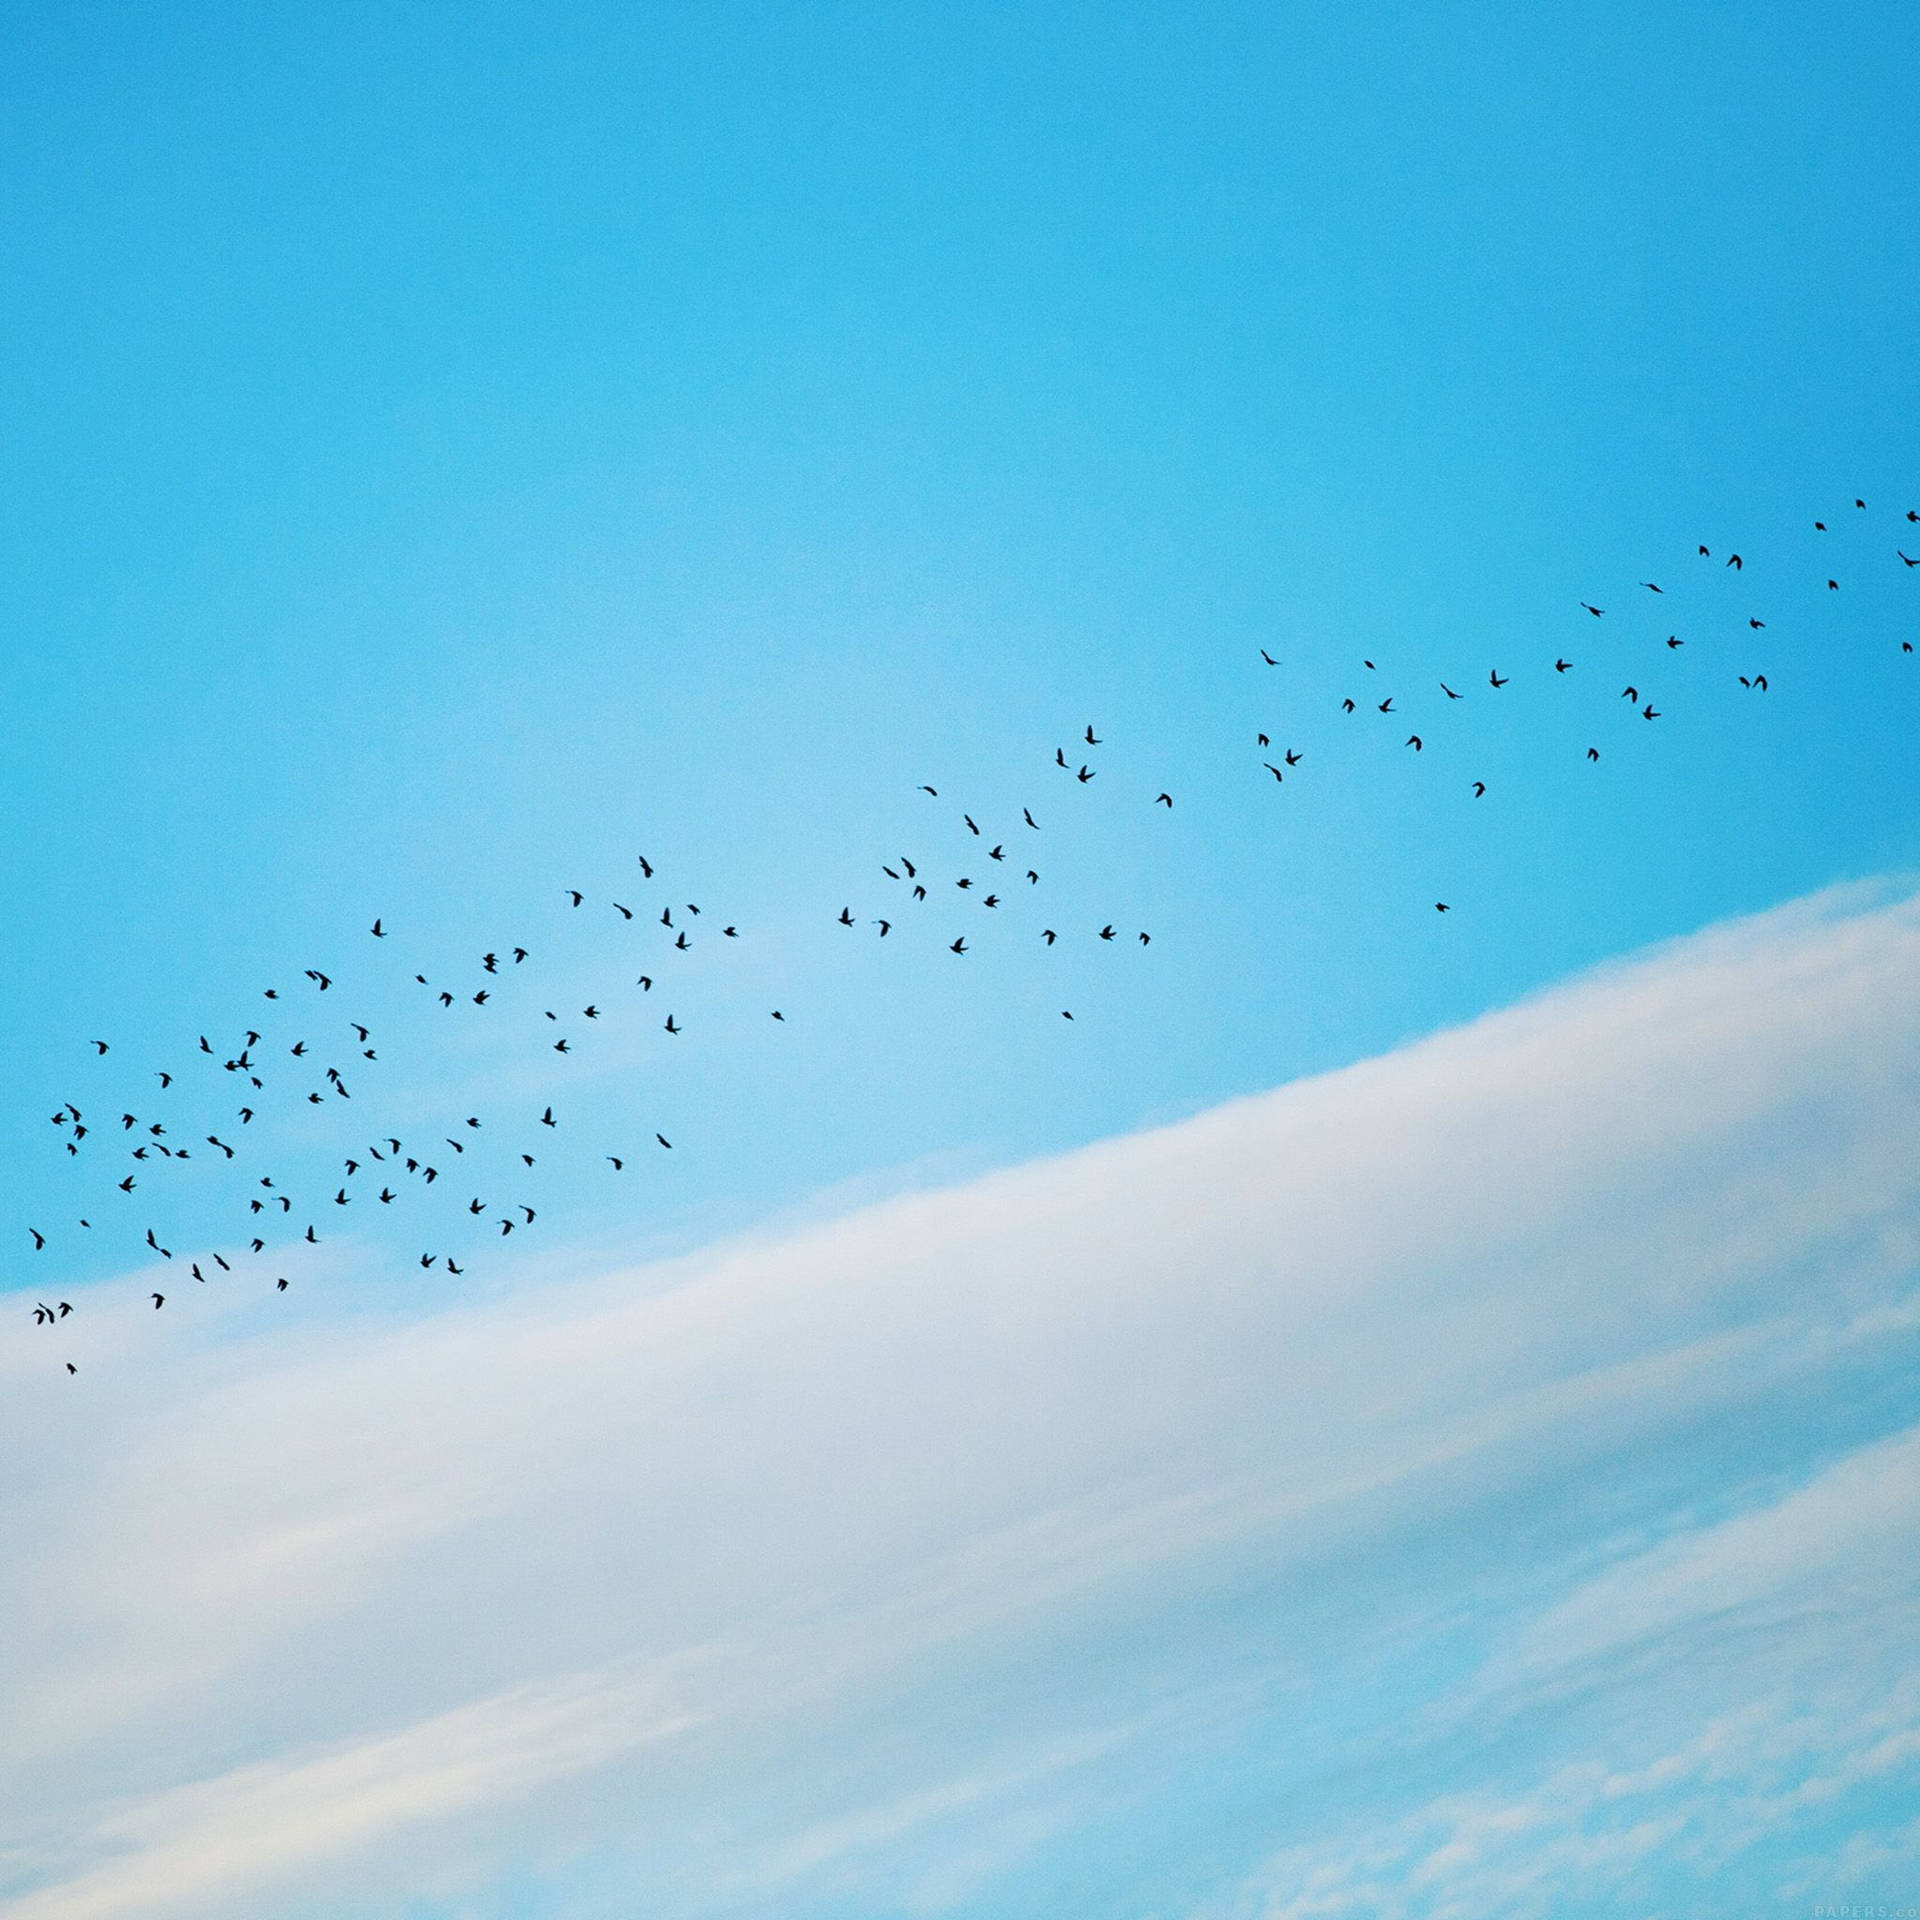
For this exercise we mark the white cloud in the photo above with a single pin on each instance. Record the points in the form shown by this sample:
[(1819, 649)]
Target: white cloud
[(831, 1493)]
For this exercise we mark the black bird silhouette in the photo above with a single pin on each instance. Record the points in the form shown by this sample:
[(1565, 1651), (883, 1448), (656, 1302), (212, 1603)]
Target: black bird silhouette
[(1084, 775), (574, 894), (1598, 611), (1059, 757), (165, 1079), (1163, 800), (1630, 693), (971, 828), (616, 1161), (1648, 713), (671, 1028), (159, 1301), (846, 916), (1091, 741), (1560, 666), (1756, 625), (778, 1015), (664, 1141), (1650, 587), (959, 946), (1268, 658), (996, 853), (1272, 769), (1106, 932), (101, 1045), (39, 1238), (1734, 561), (1440, 906), (1674, 642), (1479, 788), (1494, 679), (1413, 740), (1449, 692), (1065, 1015), (1902, 554), (1386, 705), (1291, 757), (646, 871), (378, 932), (885, 926), (682, 944), (625, 913), (1346, 706), (730, 933), (1048, 935), (931, 790), (1035, 824)]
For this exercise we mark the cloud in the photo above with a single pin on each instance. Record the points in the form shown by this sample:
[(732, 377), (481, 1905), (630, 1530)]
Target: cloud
[(795, 1561)]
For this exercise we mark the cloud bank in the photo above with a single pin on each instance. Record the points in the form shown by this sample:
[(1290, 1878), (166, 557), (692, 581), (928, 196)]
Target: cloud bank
[(1477, 1481)]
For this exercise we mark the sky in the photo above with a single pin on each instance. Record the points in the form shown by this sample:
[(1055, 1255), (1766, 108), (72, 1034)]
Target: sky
[(1382, 1411)]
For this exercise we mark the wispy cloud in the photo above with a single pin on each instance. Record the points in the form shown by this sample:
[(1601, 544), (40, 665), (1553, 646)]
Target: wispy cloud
[(807, 1558)]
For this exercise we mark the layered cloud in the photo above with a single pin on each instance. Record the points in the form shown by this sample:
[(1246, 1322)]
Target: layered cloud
[(1486, 1472)]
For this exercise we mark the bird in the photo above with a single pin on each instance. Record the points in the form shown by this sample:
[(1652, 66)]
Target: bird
[(1163, 800), (1291, 757), (778, 1015), (959, 946), (1440, 906), (626, 913), (1272, 769), (646, 871), (1734, 561), (1091, 741), (101, 1045), (1494, 679), (1648, 713), (39, 1238), (1106, 932), (1479, 788), (1146, 940), (378, 932), (1048, 935), (575, 895), (1084, 775), (1903, 556), (1035, 824), (664, 1141), (1414, 741), (1268, 658), (671, 1028), (1386, 705), (931, 790), (1674, 642), (159, 1301), (1756, 625), (1065, 1015), (1650, 587), (617, 1163), (1560, 666), (846, 916), (1449, 692), (165, 1079), (885, 926), (1598, 611), (546, 1118), (1346, 706)]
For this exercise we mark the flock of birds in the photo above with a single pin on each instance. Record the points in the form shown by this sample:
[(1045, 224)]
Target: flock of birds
[(231, 1103)]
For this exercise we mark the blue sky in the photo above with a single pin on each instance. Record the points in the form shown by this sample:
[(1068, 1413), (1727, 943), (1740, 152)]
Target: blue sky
[(455, 452)]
